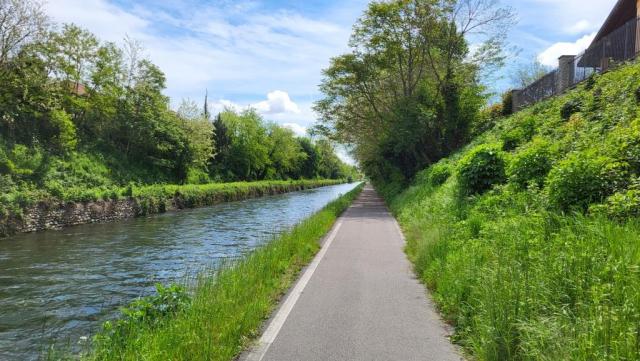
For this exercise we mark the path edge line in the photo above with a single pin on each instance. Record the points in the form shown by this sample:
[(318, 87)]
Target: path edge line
[(272, 331)]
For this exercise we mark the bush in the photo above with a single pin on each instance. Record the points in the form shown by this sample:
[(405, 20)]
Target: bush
[(626, 145), (531, 165), (486, 119), (511, 140), (481, 169), (507, 103), (65, 138), (569, 108), (580, 180), (620, 206), (438, 174)]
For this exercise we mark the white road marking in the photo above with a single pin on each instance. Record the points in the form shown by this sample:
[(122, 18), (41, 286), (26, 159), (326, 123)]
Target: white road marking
[(270, 334)]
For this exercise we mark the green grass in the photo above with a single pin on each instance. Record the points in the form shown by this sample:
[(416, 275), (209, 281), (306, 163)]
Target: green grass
[(545, 264), (227, 305)]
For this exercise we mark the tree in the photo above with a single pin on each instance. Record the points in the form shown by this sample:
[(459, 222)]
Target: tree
[(199, 131), (21, 22), (246, 157), (526, 74), (406, 93), (285, 153)]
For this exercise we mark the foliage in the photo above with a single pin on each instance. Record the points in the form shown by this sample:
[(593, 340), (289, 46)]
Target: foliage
[(507, 103), (482, 168), (486, 119), (530, 165), (438, 173), (407, 92), (228, 304), (569, 108), (620, 206), (80, 119), (518, 272), (580, 180)]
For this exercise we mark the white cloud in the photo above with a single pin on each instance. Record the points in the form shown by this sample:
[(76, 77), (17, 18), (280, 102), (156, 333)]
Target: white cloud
[(550, 56), (237, 49), (580, 27), (277, 102), (108, 21), (297, 128)]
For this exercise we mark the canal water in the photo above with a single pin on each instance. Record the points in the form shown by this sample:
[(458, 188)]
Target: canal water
[(57, 287)]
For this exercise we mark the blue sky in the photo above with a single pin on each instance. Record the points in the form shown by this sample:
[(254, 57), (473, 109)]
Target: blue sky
[(269, 54)]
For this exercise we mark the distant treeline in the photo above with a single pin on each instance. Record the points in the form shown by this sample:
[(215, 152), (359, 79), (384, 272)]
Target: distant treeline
[(79, 113)]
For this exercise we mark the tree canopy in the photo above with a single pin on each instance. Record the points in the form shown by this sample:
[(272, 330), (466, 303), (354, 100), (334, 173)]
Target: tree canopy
[(406, 92)]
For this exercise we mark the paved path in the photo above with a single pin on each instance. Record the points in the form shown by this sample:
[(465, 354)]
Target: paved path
[(358, 300)]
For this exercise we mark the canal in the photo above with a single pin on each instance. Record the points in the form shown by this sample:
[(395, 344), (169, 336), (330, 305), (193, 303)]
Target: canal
[(57, 287)]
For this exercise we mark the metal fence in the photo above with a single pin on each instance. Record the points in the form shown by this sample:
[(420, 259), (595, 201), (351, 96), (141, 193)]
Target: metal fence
[(539, 90), (620, 45)]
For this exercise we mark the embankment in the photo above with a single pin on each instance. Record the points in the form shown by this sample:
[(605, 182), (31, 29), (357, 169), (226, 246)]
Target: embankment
[(223, 309), (530, 237), (141, 201)]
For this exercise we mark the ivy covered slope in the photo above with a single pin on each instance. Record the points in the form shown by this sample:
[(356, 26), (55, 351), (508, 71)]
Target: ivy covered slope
[(529, 237)]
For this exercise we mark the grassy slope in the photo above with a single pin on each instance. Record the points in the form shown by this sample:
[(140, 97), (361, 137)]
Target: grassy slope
[(227, 307), (520, 278)]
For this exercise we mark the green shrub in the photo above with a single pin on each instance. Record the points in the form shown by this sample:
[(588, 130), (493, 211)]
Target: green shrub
[(6, 165), (486, 119), (580, 180), (512, 139), (147, 312), (26, 160), (438, 174), (531, 165), (65, 138), (620, 206), (481, 169), (507, 103), (625, 142), (569, 108)]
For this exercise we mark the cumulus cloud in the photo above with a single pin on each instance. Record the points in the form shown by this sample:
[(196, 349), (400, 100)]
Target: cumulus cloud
[(296, 128), (550, 56), (277, 102)]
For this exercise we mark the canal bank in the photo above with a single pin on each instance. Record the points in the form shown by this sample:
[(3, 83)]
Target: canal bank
[(59, 286), (141, 201), (227, 305)]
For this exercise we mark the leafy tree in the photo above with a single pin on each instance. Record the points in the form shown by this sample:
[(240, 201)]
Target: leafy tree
[(407, 91), (21, 22), (285, 153), (199, 131)]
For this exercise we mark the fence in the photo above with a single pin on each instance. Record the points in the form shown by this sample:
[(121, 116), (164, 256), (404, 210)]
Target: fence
[(620, 45)]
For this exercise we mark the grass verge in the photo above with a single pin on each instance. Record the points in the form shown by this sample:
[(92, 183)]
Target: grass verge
[(529, 238), (225, 307)]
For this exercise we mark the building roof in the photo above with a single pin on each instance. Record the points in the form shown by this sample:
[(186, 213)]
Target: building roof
[(623, 11)]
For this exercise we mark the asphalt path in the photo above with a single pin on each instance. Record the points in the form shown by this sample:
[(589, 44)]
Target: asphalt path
[(358, 299)]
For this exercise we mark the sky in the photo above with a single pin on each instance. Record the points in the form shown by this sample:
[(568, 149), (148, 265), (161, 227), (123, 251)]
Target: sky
[(270, 54)]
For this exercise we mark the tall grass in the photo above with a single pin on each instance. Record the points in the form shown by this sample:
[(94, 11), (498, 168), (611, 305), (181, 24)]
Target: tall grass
[(227, 305), (521, 282)]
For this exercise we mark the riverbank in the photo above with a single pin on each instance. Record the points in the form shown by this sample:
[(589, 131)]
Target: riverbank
[(134, 201), (225, 307)]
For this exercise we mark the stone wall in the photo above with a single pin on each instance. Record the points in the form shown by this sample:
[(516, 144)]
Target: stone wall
[(49, 216)]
